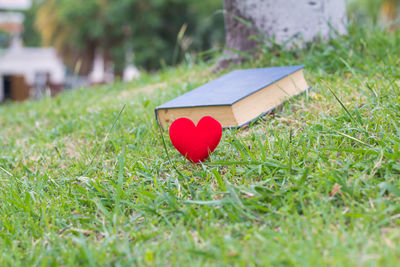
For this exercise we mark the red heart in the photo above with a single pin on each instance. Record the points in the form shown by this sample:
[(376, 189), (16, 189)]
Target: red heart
[(195, 143)]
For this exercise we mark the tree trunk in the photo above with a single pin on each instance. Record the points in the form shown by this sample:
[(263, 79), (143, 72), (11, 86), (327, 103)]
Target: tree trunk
[(287, 22)]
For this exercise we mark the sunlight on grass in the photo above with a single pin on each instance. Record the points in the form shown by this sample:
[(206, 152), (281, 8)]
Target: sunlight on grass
[(316, 182)]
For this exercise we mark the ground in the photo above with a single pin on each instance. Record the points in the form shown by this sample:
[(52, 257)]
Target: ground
[(85, 179)]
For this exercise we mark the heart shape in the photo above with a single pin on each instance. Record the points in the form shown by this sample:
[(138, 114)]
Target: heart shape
[(195, 143)]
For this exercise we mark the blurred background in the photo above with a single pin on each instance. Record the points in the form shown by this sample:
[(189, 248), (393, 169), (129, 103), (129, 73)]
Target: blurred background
[(59, 44), (50, 45)]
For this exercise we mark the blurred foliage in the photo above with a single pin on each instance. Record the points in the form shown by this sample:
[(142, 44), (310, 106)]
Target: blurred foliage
[(31, 36), (373, 11), (160, 32), (150, 27), (364, 11)]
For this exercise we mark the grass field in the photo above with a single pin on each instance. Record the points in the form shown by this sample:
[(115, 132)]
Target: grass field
[(84, 178)]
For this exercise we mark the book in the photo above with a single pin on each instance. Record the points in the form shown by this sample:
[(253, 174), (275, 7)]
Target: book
[(237, 98)]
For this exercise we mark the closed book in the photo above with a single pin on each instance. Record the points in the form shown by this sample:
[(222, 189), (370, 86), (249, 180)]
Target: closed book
[(237, 98)]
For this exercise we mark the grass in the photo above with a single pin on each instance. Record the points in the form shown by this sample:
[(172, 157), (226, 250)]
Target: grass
[(84, 178)]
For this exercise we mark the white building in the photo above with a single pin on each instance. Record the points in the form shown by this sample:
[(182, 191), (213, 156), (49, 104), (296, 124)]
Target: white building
[(15, 4), (25, 72)]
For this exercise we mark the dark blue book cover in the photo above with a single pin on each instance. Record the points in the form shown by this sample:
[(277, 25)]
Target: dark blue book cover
[(231, 88)]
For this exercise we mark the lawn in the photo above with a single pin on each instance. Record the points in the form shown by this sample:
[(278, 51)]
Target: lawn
[(85, 178)]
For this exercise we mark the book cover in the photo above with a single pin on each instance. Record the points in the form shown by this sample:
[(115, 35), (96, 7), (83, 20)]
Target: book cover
[(219, 97)]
